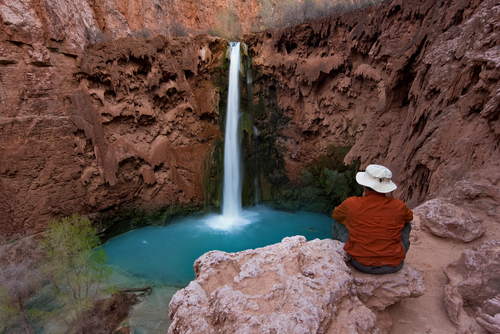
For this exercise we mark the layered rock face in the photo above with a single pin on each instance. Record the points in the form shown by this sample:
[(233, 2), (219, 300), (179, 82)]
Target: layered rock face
[(72, 115), (410, 85), (129, 120), (290, 287), (68, 26)]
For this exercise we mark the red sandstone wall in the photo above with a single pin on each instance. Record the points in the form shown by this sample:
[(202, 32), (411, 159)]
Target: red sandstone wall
[(413, 85), (128, 121)]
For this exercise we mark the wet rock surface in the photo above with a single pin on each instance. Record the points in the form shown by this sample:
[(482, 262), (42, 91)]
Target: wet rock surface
[(291, 287)]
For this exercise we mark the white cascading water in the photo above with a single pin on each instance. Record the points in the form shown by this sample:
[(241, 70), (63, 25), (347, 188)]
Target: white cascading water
[(233, 217), (231, 205)]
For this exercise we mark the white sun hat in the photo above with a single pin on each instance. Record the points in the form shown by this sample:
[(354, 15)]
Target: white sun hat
[(378, 178)]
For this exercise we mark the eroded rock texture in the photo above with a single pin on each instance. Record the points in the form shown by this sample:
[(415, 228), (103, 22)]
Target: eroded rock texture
[(446, 220), (67, 26), (489, 315), (473, 282), (380, 291), (412, 85), (130, 120), (67, 130), (291, 287)]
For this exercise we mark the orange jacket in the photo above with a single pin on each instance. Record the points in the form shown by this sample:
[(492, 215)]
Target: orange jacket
[(374, 222)]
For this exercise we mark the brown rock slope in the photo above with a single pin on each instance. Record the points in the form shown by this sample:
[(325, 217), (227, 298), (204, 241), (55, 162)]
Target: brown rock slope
[(69, 25)]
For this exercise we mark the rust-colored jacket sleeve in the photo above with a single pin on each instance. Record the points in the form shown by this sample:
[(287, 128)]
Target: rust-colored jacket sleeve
[(341, 212), (408, 215)]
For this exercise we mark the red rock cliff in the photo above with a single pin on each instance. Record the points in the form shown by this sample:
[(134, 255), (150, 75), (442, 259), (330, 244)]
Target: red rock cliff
[(412, 85), (128, 121), (68, 26)]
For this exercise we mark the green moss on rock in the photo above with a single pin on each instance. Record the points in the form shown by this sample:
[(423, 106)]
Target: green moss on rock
[(213, 178), (131, 217)]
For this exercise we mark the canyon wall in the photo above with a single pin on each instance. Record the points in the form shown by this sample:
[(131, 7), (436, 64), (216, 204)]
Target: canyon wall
[(89, 121), (92, 115), (127, 121), (67, 26), (412, 85), (87, 126)]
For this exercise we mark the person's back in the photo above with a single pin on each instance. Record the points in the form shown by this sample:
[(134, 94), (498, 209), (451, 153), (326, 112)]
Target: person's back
[(375, 227)]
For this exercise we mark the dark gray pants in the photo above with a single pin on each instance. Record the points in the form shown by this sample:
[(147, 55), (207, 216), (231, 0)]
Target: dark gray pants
[(341, 233)]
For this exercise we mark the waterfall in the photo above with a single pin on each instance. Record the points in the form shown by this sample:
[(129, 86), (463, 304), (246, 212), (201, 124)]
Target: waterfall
[(233, 217), (249, 82), (231, 205)]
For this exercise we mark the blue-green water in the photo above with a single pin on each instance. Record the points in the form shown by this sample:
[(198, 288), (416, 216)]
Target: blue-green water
[(166, 254)]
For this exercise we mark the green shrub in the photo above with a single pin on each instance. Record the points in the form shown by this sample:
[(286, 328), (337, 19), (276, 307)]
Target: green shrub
[(75, 267)]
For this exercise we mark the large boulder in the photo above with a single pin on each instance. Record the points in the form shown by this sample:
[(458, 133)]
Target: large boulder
[(474, 283), (446, 220), (291, 287)]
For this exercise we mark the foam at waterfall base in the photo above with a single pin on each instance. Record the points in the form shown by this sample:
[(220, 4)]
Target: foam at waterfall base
[(231, 223)]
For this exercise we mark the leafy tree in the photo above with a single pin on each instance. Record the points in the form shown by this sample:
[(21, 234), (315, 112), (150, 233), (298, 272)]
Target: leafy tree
[(75, 268)]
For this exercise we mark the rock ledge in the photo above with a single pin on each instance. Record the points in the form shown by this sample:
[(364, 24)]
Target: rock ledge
[(291, 287)]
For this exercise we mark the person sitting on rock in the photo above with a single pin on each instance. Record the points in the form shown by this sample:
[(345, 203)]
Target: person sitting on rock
[(375, 228)]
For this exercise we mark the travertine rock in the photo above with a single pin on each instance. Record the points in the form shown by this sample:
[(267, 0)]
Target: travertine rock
[(411, 85), (473, 282), (133, 125), (291, 287), (450, 221), (380, 291), (68, 26), (489, 315), (73, 141)]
